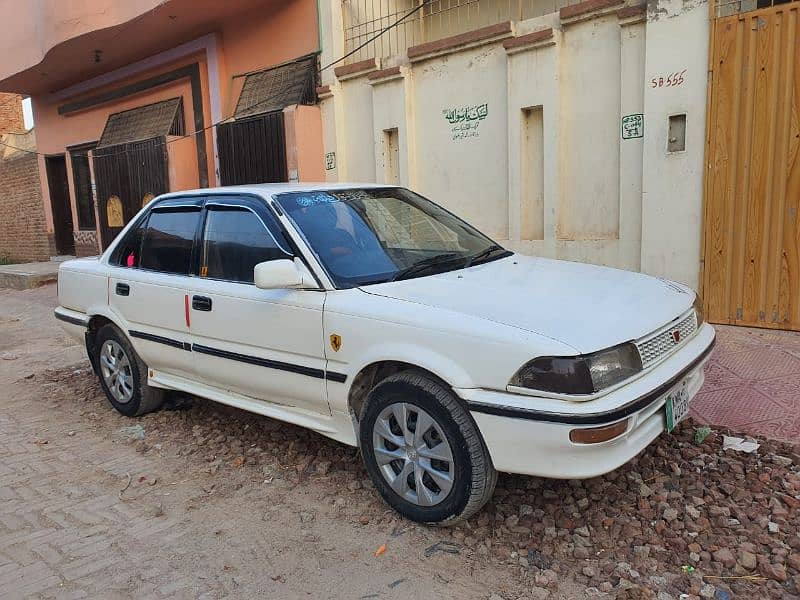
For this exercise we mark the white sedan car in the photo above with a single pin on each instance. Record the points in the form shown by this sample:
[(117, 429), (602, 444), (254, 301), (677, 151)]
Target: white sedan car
[(375, 317)]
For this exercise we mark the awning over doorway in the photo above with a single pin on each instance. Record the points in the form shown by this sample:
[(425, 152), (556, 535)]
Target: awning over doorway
[(143, 123), (278, 87)]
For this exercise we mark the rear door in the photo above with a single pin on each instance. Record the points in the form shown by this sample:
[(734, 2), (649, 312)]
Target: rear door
[(150, 280), (265, 344)]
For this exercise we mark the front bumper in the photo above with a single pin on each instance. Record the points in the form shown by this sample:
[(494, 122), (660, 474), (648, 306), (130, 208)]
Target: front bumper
[(530, 435)]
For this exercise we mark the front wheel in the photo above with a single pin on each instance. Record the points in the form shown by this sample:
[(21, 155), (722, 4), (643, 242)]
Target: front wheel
[(123, 375), (424, 452)]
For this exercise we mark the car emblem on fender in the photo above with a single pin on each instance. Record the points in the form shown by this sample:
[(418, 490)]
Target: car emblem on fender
[(676, 336), (336, 342)]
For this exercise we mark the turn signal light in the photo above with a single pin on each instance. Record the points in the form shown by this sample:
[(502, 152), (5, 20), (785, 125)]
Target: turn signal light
[(595, 435)]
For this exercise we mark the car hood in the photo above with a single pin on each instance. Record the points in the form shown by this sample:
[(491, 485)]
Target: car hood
[(585, 306)]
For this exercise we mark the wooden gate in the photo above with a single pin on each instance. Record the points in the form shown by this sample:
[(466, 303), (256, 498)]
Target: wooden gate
[(751, 272), (252, 150), (128, 176)]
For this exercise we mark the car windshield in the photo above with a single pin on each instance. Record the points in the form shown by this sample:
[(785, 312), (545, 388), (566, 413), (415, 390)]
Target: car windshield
[(373, 235)]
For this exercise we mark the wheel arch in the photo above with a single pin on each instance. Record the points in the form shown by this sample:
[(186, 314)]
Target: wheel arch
[(372, 374), (96, 322)]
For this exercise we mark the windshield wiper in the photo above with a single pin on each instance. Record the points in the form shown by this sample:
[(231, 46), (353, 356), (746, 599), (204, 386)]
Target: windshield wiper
[(483, 254), (426, 263)]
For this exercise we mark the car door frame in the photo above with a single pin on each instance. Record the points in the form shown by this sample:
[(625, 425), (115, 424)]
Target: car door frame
[(296, 371)]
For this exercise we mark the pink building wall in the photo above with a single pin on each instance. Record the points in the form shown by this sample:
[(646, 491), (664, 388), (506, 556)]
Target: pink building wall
[(244, 36)]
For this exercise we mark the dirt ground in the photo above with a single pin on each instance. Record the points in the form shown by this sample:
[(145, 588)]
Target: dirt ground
[(207, 501)]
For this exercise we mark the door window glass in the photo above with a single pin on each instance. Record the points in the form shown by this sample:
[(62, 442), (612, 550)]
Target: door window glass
[(129, 251), (234, 242), (168, 239)]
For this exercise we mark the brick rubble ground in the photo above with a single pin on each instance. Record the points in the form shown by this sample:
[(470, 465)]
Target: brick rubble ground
[(731, 516)]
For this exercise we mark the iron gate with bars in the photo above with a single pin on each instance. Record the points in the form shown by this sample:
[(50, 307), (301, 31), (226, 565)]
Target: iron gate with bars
[(128, 176), (252, 150)]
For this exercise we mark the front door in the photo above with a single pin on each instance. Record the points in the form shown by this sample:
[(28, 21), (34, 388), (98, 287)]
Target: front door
[(752, 214), (59, 200), (264, 344)]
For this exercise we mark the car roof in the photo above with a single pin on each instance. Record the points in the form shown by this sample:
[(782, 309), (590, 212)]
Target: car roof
[(269, 189)]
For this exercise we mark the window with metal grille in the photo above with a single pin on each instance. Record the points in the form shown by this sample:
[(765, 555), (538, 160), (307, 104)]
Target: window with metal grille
[(278, 87), (144, 123), (82, 184)]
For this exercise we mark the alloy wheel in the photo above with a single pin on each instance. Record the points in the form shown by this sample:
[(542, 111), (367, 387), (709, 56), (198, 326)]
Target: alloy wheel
[(413, 454), (115, 367)]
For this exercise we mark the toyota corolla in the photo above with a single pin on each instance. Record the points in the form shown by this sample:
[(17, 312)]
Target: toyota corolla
[(375, 317)]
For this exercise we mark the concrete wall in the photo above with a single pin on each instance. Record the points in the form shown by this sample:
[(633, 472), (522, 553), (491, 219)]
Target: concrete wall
[(672, 207), (541, 163)]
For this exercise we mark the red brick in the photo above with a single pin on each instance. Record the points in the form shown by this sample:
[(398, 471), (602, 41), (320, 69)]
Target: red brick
[(11, 120), (390, 72), (462, 39), (23, 233), (362, 66), (530, 38), (589, 6)]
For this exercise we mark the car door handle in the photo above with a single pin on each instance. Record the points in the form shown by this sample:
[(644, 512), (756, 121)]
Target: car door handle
[(201, 303), (123, 289)]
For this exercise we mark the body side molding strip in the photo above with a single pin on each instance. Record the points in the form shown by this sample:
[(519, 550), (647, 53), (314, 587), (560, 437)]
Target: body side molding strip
[(245, 358)]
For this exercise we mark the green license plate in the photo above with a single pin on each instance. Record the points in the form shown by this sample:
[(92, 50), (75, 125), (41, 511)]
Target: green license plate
[(677, 405)]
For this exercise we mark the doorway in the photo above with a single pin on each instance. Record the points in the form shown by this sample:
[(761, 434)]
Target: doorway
[(56, 167)]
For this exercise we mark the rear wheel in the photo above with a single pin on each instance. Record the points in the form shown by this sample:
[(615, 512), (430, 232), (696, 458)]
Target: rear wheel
[(424, 452), (123, 375)]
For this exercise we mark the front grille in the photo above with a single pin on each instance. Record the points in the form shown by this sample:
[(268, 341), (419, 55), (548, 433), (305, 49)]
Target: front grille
[(662, 344)]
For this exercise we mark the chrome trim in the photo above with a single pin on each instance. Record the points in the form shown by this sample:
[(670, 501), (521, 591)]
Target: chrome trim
[(686, 321), (513, 389), (80, 321)]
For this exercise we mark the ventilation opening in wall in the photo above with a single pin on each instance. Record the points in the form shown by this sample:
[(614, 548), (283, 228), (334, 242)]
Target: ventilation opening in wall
[(531, 225), (391, 157), (676, 138)]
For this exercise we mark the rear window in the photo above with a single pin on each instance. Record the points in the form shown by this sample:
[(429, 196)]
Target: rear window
[(167, 241)]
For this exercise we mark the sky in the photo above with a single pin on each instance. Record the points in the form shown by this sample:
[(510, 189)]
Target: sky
[(27, 113)]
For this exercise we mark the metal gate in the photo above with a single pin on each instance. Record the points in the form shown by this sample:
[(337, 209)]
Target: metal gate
[(128, 176), (252, 150), (751, 272)]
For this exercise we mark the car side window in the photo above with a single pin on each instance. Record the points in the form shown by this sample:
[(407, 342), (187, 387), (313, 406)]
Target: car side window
[(129, 251), (235, 240), (167, 240)]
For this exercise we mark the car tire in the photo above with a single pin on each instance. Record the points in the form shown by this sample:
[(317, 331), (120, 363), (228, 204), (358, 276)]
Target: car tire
[(440, 475), (123, 375)]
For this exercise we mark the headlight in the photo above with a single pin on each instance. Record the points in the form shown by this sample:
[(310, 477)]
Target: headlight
[(698, 310), (587, 374)]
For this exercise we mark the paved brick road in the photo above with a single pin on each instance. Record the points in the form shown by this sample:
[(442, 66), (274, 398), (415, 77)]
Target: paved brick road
[(60, 524), (205, 512), (194, 523)]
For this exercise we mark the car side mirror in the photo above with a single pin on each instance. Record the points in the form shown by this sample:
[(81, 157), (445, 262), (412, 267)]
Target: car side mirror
[(282, 273)]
